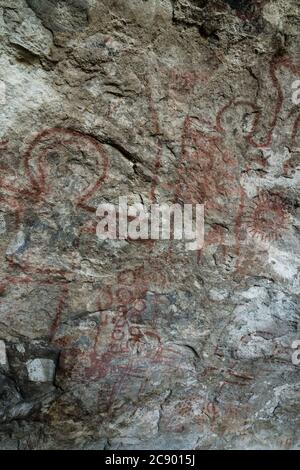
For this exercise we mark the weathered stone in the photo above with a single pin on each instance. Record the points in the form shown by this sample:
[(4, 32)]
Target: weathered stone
[(41, 370), (126, 344)]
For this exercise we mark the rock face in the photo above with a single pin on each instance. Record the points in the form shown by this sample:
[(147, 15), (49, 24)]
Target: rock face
[(131, 344)]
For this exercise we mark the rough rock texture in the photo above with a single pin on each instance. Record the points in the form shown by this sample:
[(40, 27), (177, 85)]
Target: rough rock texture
[(139, 344)]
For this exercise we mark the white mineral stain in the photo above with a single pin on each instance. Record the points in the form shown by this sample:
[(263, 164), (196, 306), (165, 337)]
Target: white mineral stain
[(40, 370), (283, 263), (3, 356)]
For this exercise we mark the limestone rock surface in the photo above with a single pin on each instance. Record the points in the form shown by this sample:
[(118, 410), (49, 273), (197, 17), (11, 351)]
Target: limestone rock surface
[(142, 344)]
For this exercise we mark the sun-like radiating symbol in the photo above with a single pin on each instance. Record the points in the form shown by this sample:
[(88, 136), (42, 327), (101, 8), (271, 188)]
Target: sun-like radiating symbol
[(269, 218)]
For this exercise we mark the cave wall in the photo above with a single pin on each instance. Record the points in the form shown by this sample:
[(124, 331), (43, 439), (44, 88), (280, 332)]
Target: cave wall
[(131, 344)]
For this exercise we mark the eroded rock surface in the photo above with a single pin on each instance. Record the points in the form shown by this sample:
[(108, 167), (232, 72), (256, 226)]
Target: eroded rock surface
[(124, 344)]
